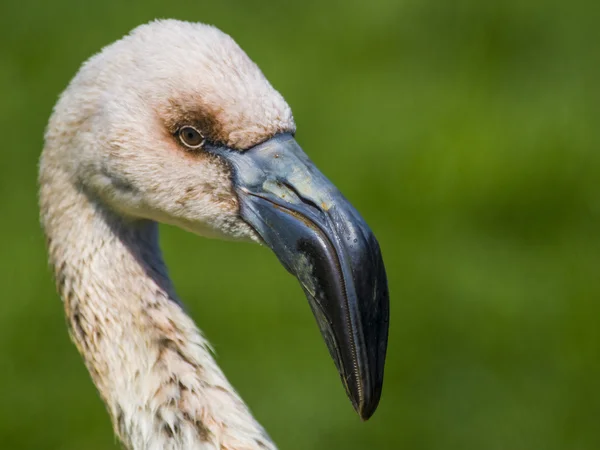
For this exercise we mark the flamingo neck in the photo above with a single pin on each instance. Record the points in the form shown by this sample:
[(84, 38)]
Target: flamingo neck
[(150, 363)]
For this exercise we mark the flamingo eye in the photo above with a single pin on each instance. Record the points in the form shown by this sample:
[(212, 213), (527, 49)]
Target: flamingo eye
[(190, 137)]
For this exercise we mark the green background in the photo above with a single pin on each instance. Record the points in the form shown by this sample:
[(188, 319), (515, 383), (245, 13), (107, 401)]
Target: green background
[(466, 133)]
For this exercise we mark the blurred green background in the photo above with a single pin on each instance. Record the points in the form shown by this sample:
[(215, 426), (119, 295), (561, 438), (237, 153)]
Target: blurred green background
[(466, 132)]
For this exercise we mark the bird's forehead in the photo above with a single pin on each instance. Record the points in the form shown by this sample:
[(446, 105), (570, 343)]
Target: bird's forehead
[(195, 74), (238, 123)]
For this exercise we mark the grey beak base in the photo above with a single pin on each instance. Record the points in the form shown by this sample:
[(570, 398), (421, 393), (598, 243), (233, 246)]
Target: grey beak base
[(323, 241)]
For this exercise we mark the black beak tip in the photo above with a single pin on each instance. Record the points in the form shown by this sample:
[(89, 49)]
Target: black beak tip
[(369, 404), (365, 417), (366, 411)]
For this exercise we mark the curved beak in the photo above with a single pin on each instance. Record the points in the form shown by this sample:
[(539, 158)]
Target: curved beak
[(324, 242)]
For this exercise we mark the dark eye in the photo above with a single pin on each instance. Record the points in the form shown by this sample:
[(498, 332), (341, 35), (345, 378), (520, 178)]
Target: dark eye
[(190, 137)]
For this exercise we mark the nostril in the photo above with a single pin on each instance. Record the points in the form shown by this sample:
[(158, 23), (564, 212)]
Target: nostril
[(298, 195), (282, 191)]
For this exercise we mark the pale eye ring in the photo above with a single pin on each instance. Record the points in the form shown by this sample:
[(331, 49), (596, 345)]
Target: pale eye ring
[(190, 137)]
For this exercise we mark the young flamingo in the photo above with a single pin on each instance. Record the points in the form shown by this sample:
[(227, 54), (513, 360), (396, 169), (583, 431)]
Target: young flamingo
[(175, 124)]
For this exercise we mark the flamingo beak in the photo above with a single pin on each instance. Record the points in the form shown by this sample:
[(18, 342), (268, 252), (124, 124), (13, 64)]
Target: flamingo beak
[(323, 241)]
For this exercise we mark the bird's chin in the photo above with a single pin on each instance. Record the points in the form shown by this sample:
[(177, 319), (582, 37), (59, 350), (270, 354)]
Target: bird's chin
[(224, 225), (228, 229)]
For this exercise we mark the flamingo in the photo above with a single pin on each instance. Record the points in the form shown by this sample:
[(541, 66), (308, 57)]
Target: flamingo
[(175, 124)]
